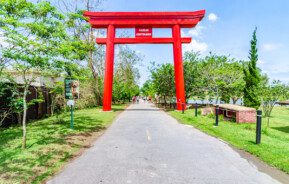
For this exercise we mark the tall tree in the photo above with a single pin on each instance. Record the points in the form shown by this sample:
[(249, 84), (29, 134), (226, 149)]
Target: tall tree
[(33, 33), (252, 76), (82, 31), (126, 74)]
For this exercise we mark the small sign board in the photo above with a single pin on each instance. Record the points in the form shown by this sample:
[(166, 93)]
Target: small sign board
[(70, 102), (174, 100), (71, 88), (143, 32)]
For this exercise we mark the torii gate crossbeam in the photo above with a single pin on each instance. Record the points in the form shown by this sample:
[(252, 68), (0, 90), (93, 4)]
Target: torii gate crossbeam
[(146, 20)]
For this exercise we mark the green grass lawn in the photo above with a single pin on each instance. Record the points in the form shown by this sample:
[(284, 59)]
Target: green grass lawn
[(274, 147), (49, 144)]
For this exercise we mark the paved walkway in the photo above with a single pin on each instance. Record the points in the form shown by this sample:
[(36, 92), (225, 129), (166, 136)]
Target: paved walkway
[(146, 146)]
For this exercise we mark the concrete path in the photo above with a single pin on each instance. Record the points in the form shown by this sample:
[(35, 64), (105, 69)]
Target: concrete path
[(147, 146)]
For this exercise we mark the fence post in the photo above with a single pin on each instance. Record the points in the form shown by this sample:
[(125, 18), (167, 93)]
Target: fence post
[(217, 115), (71, 117), (183, 108), (258, 126), (196, 109)]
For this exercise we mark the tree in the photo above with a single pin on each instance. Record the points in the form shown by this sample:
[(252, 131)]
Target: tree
[(252, 76), (126, 74), (163, 80), (212, 75), (33, 33), (148, 89), (192, 73), (232, 84), (56, 95), (216, 76), (83, 32), (271, 94)]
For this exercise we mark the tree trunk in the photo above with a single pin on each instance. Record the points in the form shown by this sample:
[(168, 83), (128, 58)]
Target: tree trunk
[(3, 116), (24, 118), (217, 96), (271, 106), (217, 99), (234, 100), (52, 105), (19, 118)]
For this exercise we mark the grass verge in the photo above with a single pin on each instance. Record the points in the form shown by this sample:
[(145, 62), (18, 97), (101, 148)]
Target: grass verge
[(274, 147), (49, 144)]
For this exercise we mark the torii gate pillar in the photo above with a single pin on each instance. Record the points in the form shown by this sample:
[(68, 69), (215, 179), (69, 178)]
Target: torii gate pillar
[(144, 21), (178, 64), (108, 75)]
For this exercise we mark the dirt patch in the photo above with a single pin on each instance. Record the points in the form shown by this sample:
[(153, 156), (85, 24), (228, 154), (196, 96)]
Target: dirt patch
[(82, 141)]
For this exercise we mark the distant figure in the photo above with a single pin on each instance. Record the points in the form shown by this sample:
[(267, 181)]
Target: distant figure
[(149, 98), (137, 99), (133, 99)]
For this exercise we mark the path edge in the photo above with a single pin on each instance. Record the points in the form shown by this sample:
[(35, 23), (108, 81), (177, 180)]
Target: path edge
[(261, 166), (83, 149)]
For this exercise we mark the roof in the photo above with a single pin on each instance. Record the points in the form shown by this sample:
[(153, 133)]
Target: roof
[(38, 78), (286, 102), (150, 19), (236, 107)]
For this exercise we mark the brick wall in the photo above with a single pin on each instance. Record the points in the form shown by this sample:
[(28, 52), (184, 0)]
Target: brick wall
[(246, 117)]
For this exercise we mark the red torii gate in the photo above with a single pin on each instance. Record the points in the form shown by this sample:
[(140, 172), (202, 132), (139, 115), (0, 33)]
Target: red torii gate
[(144, 22)]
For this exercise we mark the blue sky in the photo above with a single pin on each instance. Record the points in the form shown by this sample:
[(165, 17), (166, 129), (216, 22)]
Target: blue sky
[(226, 29)]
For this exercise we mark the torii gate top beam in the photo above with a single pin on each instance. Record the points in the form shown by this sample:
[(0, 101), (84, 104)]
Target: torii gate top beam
[(146, 19)]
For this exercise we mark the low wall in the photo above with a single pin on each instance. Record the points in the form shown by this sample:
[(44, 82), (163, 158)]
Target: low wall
[(242, 114)]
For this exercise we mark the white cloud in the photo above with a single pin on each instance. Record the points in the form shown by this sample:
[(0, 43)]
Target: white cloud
[(194, 32), (183, 34), (283, 79), (197, 31), (278, 69), (212, 17), (270, 47), (196, 46), (260, 61)]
